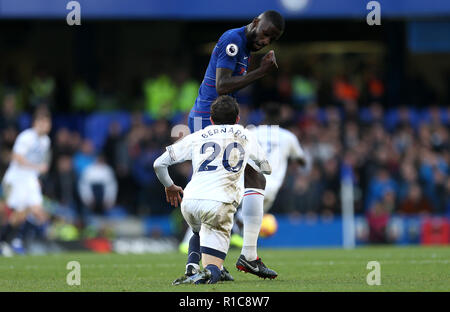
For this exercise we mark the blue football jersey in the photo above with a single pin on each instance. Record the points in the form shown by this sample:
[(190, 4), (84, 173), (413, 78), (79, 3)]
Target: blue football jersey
[(230, 52)]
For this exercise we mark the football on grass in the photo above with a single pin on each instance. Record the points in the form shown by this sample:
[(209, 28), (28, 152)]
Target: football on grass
[(269, 225)]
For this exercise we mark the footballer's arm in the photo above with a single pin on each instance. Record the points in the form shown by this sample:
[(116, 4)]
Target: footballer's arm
[(22, 161), (226, 83), (173, 192)]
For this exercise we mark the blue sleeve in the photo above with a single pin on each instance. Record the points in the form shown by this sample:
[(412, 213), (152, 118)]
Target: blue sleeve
[(228, 49)]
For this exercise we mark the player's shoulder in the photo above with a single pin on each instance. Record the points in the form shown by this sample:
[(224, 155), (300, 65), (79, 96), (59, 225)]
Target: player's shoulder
[(288, 134), (250, 132), (282, 133), (231, 36), (27, 134), (186, 139)]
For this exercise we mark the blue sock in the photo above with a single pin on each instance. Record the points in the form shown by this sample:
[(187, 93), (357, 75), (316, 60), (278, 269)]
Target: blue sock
[(215, 273), (194, 254)]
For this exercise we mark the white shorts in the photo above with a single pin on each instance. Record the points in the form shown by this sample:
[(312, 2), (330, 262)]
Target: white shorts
[(22, 194), (270, 194), (212, 219)]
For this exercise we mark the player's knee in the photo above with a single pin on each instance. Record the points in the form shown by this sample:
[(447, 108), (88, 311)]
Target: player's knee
[(254, 179), (39, 213), (18, 217)]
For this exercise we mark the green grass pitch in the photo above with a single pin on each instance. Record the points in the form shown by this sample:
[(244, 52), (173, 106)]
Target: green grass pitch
[(402, 269)]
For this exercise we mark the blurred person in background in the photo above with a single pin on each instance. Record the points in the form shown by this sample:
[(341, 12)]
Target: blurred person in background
[(21, 187), (280, 146), (378, 219), (407, 178), (117, 156), (305, 200), (379, 185), (415, 202), (83, 97), (9, 129), (160, 96), (98, 186), (42, 88), (187, 90), (65, 143), (84, 157), (61, 184), (9, 115)]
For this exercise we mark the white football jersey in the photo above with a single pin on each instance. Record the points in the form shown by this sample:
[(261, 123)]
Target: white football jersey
[(280, 145), (34, 148), (219, 154)]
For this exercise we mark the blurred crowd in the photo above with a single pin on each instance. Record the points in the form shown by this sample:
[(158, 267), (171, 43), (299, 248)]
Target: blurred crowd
[(398, 157)]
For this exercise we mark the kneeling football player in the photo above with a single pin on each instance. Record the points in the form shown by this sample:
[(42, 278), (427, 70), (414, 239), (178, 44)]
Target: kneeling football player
[(219, 154)]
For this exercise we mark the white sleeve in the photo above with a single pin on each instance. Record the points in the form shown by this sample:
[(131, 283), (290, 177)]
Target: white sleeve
[(84, 187), (175, 153), (296, 151), (22, 144), (160, 165), (181, 150), (110, 187), (258, 155)]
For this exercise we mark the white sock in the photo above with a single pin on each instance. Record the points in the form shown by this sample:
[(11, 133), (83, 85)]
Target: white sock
[(252, 214)]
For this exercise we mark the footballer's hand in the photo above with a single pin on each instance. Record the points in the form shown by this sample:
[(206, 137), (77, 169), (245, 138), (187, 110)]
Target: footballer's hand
[(173, 194), (42, 168), (268, 62)]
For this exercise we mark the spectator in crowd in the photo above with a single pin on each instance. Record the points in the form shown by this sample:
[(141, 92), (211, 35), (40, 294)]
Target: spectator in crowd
[(84, 157), (342, 120), (66, 143), (98, 186), (117, 156), (83, 97), (42, 88), (62, 182), (8, 115), (377, 219), (415, 202), (160, 94)]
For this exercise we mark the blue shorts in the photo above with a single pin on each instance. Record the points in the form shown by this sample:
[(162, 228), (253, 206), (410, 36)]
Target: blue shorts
[(196, 123)]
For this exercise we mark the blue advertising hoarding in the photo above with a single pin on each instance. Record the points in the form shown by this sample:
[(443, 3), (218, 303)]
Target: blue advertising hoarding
[(219, 9)]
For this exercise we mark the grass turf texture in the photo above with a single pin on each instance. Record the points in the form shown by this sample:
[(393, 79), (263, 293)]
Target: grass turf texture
[(402, 269)]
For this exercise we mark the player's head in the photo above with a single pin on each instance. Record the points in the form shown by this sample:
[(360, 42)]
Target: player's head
[(42, 121), (265, 29), (224, 111), (272, 111)]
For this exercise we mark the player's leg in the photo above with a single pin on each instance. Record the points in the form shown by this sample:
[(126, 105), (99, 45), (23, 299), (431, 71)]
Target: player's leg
[(12, 226), (37, 216), (16, 199), (252, 215), (217, 221), (252, 211), (213, 265), (188, 209)]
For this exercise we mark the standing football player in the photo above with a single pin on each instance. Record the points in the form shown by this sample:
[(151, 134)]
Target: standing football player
[(280, 145), (219, 155), (30, 158), (225, 75)]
